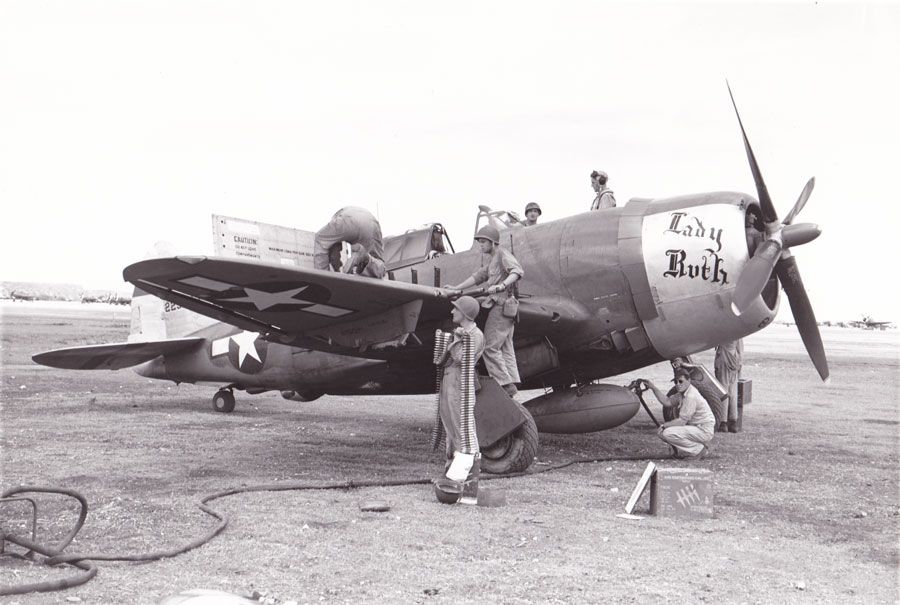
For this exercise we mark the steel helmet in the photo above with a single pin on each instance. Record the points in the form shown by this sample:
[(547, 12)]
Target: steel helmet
[(533, 206), (489, 233), (447, 491), (468, 306)]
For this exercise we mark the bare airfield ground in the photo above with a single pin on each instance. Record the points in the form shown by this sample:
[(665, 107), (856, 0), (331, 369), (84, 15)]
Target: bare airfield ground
[(806, 497)]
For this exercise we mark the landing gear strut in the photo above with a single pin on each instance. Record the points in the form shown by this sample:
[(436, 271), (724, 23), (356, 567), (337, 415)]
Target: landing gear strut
[(223, 401)]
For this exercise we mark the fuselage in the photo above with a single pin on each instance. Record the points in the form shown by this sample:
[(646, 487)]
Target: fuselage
[(604, 292)]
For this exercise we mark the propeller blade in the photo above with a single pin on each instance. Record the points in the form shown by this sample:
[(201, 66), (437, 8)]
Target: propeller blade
[(789, 274), (765, 202), (799, 234), (801, 202), (755, 275)]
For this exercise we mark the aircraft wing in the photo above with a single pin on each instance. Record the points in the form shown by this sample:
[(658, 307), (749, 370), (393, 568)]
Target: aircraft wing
[(112, 356), (292, 305)]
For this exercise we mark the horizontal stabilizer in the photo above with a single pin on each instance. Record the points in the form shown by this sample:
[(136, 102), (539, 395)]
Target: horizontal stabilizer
[(112, 356)]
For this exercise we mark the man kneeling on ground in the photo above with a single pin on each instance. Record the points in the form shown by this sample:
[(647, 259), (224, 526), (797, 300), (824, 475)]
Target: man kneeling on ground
[(692, 430)]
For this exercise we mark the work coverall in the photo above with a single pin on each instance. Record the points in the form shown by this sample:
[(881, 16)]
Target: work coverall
[(355, 226), (499, 353), (697, 431), (728, 371)]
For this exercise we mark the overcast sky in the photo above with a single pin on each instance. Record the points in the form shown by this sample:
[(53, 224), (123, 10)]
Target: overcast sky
[(125, 123)]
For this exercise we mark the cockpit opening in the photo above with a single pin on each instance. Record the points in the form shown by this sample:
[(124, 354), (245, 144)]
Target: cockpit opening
[(416, 245)]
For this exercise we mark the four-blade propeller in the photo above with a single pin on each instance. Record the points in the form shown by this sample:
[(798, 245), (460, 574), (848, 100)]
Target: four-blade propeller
[(774, 254)]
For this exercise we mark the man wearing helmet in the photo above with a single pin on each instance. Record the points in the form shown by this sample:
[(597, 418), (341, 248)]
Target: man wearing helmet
[(532, 212), (605, 197), (501, 272), (455, 354)]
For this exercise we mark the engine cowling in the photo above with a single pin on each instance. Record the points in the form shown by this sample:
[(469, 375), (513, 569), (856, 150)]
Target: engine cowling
[(595, 407)]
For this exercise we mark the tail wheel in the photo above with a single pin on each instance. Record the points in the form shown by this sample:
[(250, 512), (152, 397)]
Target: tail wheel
[(513, 453), (223, 401)]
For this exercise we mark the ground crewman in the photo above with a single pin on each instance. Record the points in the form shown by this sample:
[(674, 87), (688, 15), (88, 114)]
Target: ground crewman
[(501, 272), (355, 226), (692, 430), (728, 362), (455, 355), (605, 197)]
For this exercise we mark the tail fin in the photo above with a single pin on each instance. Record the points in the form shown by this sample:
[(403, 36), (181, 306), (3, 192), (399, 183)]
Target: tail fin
[(155, 319)]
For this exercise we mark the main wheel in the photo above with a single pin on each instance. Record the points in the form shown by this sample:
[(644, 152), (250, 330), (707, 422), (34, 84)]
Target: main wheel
[(298, 396), (513, 453), (223, 401)]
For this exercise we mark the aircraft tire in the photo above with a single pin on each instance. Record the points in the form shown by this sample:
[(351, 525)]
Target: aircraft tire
[(298, 396), (310, 396), (223, 401), (515, 452)]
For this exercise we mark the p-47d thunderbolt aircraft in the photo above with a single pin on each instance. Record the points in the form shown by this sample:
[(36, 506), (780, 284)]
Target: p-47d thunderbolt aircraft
[(605, 292)]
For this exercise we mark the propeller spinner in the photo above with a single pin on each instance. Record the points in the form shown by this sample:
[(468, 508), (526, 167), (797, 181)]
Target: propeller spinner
[(774, 254)]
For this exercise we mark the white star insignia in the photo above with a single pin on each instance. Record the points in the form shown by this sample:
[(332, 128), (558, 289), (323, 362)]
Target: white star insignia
[(246, 346), (263, 300)]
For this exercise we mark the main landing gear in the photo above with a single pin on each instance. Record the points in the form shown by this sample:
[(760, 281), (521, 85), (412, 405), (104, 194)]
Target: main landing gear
[(223, 401)]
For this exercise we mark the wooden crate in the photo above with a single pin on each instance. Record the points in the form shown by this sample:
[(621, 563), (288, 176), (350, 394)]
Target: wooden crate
[(682, 492), (745, 396)]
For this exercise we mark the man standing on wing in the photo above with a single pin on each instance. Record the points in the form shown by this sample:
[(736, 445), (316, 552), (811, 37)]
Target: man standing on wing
[(358, 227), (501, 272)]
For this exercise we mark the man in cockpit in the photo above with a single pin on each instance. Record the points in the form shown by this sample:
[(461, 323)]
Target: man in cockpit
[(532, 212)]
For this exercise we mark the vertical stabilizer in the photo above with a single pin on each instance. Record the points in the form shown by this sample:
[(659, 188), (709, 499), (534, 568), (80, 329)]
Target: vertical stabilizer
[(155, 319)]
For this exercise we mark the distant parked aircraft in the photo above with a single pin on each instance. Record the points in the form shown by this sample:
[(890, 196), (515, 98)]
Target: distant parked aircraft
[(23, 295), (867, 323)]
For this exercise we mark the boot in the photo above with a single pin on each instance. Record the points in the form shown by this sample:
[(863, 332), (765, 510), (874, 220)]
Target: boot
[(732, 426), (722, 428)]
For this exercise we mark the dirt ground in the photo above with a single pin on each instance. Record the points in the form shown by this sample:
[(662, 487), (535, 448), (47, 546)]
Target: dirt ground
[(806, 498)]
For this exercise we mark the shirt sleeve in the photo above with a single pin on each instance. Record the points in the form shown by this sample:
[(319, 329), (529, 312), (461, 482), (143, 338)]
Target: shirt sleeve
[(510, 264), (480, 275)]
